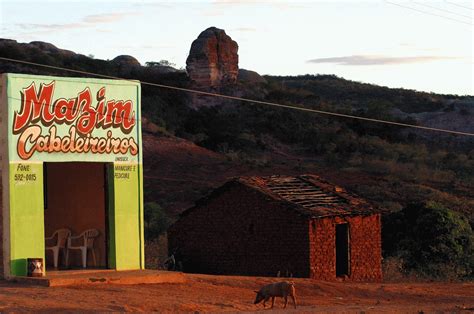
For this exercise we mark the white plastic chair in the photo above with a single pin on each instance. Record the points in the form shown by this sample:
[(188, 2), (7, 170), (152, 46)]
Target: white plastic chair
[(88, 237), (61, 235)]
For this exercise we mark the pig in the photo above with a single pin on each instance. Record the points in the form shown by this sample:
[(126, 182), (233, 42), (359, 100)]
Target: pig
[(281, 289)]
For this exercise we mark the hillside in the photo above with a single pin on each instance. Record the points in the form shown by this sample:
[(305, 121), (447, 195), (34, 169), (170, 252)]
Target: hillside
[(254, 134), (189, 151)]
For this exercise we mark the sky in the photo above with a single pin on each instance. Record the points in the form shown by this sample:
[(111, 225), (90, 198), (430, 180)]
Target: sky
[(416, 44)]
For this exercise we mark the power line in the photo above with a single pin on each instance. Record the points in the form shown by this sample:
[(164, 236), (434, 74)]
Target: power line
[(443, 10), (428, 13), (342, 115), (458, 5)]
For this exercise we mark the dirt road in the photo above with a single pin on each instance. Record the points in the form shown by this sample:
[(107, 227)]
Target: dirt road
[(203, 293)]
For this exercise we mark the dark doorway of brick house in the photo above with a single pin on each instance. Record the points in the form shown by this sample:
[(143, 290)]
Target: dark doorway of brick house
[(342, 250)]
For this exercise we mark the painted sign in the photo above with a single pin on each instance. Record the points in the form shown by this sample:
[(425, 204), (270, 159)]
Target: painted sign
[(64, 119), (55, 118)]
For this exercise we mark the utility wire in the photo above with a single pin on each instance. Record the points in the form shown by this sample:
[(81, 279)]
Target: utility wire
[(458, 5), (433, 14), (246, 99), (443, 10)]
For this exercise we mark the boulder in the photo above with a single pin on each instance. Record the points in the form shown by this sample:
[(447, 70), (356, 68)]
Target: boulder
[(46, 47), (213, 60), (126, 65), (250, 77), (126, 60)]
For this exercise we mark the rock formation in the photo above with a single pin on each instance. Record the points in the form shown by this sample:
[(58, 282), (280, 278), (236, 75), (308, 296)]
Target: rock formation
[(126, 60), (34, 47), (213, 60), (126, 64), (250, 77)]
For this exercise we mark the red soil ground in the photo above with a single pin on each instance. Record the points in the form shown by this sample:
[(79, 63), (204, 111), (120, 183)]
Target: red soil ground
[(202, 293)]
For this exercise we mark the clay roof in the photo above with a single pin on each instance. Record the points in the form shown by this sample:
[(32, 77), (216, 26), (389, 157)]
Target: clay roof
[(310, 195)]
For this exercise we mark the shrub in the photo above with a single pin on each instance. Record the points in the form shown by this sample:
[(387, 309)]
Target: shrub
[(156, 220), (432, 240)]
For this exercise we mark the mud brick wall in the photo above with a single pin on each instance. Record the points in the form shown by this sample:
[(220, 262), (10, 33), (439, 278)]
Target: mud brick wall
[(242, 232), (364, 242)]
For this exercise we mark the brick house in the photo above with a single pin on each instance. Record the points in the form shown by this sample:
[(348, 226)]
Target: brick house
[(262, 226)]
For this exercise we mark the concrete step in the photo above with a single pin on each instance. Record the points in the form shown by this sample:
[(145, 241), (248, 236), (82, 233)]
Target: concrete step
[(84, 277)]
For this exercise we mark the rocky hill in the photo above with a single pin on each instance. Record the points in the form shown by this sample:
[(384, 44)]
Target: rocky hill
[(211, 133)]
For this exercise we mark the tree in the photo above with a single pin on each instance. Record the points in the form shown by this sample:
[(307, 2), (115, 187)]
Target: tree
[(162, 63), (431, 239)]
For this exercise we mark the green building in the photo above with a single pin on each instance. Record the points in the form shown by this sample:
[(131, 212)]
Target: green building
[(70, 157)]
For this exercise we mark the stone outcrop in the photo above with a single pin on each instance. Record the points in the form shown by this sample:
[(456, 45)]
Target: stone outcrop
[(126, 65), (213, 60), (33, 48), (250, 77), (126, 60)]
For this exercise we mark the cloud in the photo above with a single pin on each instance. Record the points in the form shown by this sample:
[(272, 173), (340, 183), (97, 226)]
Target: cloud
[(279, 4), (244, 29), (87, 21), (106, 18), (134, 47), (414, 47), (157, 46), (220, 7), (40, 27), (161, 4), (356, 60), (235, 2)]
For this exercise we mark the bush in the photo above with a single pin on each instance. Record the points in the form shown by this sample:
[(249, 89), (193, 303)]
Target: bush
[(432, 240), (156, 221)]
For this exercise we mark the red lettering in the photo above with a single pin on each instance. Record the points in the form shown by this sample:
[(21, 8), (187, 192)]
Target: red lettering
[(30, 135), (120, 114), (65, 109), (87, 121), (101, 106), (34, 105)]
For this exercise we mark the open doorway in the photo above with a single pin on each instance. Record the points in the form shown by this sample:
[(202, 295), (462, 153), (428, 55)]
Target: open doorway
[(342, 250), (76, 199)]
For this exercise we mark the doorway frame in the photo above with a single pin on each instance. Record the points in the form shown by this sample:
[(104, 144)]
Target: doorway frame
[(347, 261), (108, 207)]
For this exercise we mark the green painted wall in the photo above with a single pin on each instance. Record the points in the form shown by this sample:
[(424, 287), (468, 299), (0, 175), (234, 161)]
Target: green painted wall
[(127, 218), (142, 216), (27, 216)]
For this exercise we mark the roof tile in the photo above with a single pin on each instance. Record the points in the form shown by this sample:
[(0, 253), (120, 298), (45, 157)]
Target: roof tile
[(310, 194)]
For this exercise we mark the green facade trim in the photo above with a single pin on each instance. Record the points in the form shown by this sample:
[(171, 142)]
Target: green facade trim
[(112, 256), (26, 216), (128, 248)]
